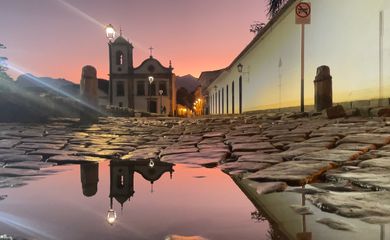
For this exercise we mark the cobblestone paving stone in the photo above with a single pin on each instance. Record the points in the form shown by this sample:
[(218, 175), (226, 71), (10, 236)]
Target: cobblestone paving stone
[(275, 149)]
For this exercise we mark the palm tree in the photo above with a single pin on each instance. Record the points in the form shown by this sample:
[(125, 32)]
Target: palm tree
[(274, 6)]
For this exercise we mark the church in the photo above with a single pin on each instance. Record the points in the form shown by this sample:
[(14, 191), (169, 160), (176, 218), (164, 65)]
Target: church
[(150, 87)]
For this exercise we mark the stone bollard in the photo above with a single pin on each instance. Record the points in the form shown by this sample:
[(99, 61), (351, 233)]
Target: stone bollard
[(89, 174), (323, 98), (89, 95)]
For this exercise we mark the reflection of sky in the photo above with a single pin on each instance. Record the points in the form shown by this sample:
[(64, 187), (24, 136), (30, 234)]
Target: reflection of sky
[(212, 207), (57, 37)]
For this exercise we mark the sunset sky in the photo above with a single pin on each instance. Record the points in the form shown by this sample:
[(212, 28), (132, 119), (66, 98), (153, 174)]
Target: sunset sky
[(56, 38)]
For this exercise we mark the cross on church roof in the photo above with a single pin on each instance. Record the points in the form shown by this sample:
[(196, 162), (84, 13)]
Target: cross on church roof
[(151, 51)]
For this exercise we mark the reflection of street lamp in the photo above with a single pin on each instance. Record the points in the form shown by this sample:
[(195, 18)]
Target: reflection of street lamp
[(151, 79), (110, 32), (151, 163), (161, 93), (111, 214)]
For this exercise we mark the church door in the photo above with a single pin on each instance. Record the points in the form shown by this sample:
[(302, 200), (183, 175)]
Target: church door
[(153, 106)]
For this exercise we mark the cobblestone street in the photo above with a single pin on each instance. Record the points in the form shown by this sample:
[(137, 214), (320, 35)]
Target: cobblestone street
[(346, 161)]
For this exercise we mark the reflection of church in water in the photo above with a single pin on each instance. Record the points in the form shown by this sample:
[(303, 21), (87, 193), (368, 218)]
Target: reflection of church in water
[(122, 176), (122, 179)]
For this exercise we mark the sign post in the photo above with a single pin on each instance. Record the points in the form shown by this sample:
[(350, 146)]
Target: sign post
[(302, 17)]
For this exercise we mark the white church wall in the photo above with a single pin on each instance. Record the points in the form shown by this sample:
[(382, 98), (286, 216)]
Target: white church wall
[(343, 35)]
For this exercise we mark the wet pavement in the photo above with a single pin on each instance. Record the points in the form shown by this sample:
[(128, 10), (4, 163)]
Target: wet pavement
[(345, 161)]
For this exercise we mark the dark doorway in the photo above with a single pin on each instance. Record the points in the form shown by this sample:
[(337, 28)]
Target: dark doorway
[(227, 99), (152, 106), (233, 97), (219, 101), (216, 104), (223, 101), (240, 94)]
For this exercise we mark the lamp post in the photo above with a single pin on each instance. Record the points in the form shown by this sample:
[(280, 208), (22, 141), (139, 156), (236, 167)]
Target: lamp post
[(110, 34), (161, 93), (151, 79)]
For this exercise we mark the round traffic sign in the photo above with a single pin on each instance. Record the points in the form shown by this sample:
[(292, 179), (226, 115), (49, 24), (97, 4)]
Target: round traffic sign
[(303, 10)]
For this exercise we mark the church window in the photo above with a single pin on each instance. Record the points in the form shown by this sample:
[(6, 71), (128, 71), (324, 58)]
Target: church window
[(119, 58), (151, 68), (140, 88), (163, 86), (120, 89)]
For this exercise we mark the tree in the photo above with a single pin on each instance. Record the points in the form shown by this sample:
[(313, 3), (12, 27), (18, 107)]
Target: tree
[(3, 66), (256, 27), (274, 6), (184, 98)]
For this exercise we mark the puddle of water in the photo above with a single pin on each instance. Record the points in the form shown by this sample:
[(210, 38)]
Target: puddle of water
[(196, 201), (307, 227)]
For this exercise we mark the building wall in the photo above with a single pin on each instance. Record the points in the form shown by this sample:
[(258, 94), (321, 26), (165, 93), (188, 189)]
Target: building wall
[(120, 99), (344, 35), (141, 101)]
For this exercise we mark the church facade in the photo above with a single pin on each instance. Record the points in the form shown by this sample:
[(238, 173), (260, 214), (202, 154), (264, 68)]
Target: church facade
[(150, 87)]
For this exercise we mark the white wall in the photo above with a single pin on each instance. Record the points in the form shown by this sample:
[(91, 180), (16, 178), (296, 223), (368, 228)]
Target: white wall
[(344, 34)]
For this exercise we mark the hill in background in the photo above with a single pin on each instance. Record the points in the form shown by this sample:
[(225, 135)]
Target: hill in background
[(189, 82)]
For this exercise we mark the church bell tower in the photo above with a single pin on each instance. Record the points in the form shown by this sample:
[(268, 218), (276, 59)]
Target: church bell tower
[(121, 72)]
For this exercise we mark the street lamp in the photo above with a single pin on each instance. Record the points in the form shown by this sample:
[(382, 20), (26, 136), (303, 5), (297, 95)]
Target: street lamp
[(239, 67), (151, 79), (161, 93), (110, 32), (111, 214)]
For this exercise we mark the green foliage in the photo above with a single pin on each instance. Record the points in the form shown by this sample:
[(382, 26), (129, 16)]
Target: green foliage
[(184, 98)]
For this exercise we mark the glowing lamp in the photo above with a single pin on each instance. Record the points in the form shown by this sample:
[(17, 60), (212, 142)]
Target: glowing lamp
[(110, 32), (151, 79), (111, 216), (151, 163)]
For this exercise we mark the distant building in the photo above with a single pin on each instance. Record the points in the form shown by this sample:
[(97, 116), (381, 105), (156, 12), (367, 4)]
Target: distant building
[(205, 80), (129, 85), (351, 37)]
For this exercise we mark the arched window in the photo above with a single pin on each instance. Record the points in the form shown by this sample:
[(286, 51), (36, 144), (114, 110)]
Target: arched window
[(227, 99), (233, 97), (240, 94), (119, 58)]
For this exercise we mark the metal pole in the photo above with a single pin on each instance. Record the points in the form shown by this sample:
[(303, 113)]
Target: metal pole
[(381, 29), (110, 86), (303, 68), (160, 103), (150, 95)]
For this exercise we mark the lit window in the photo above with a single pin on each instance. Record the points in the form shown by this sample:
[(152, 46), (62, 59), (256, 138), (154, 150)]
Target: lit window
[(119, 58)]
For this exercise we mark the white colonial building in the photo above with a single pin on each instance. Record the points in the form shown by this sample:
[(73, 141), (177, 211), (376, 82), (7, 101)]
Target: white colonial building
[(130, 86), (352, 37)]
